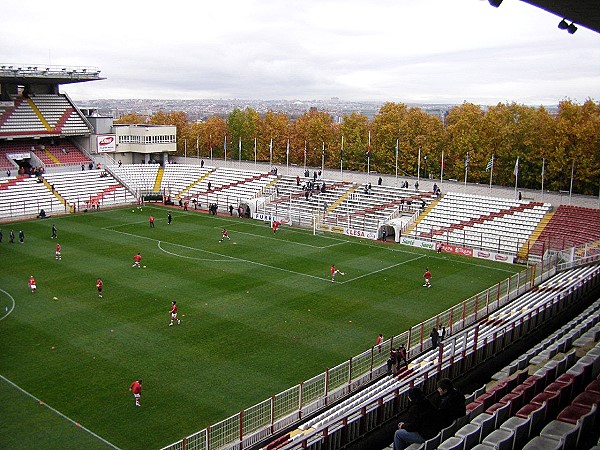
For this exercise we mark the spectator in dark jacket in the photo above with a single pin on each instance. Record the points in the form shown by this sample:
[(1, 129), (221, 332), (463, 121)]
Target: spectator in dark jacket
[(419, 423), (450, 404)]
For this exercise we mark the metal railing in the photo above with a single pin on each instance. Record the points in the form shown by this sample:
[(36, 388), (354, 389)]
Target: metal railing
[(254, 424)]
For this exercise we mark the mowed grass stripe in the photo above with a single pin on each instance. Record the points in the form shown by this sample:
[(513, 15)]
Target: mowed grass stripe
[(257, 320)]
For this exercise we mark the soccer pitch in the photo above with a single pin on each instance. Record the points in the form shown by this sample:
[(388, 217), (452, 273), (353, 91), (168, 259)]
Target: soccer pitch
[(259, 314)]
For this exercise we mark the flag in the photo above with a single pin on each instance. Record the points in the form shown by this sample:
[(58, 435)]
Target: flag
[(397, 144), (490, 164), (516, 171), (323, 150), (369, 147), (467, 161), (342, 150), (225, 144), (271, 149), (443, 164), (287, 149)]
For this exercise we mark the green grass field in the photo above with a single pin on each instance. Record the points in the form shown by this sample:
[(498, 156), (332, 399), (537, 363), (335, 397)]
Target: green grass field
[(259, 315)]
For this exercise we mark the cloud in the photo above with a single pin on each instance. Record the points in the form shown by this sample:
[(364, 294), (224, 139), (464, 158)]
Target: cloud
[(412, 50)]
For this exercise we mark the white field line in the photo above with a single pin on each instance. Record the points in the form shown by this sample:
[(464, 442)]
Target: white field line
[(12, 306), (230, 258), (77, 424), (381, 270), (192, 257), (340, 240)]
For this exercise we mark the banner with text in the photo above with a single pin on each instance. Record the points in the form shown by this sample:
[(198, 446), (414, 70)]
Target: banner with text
[(107, 143), (348, 231)]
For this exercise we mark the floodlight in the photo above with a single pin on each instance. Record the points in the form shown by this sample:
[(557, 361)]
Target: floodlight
[(563, 25), (495, 3), (572, 28)]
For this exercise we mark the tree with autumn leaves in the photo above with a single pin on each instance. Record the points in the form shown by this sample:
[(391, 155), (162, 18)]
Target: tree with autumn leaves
[(566, 140)]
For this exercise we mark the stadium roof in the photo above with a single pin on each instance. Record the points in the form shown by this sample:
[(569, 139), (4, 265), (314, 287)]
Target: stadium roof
[(46, 74), (582, 12)]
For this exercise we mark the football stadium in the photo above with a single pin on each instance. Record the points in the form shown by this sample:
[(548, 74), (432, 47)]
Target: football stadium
[(154, 300)]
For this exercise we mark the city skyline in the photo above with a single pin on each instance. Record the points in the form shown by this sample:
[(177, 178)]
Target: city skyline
[(415, 51)]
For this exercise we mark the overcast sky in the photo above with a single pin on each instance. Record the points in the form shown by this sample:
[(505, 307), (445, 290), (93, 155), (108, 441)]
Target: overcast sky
[(428, 51)]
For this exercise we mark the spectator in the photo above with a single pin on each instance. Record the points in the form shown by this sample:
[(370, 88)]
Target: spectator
[(441, 333), (419, 423), (392, 361), (450, 403), (402, 355), (201, 163), (384, 234), (434, 337), (379, 181), (297, 180), (231, 210)]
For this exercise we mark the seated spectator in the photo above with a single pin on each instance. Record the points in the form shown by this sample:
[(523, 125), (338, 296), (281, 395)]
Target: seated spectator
[(450, 403), (419, 423)]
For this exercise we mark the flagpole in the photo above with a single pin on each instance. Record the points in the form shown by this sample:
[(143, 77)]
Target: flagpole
[(255, 153), (516, 172), (185, 150), (305, 156), (240, 152), (369, 157), (543, 170), (442, 169), (342, 159), (397, 144), (287, 158), (225, 151), (210, 145), (419, 165), (466, 167), (197, 148), (271, 154), (571, 187), (323, 160), (491, 171)]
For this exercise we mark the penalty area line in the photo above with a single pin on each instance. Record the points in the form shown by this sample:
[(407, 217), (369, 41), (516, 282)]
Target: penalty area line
[(77, 424), (381, 270)]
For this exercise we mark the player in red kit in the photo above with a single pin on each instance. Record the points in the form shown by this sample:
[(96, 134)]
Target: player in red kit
[(32, 284), (151, 220), (174, 314), (427, 277), (378, 342), (334, 272), (136, 388), (276, 224), (57, 253), (99, 285), (224, 235), (136, 260)]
